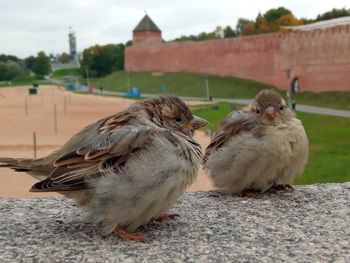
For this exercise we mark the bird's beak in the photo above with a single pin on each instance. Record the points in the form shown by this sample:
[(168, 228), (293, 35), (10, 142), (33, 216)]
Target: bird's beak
[(197, 123), (270, 113)]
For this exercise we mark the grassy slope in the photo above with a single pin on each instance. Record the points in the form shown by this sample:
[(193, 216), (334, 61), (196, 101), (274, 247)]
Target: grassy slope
[(329, 144), (188, 84), (65, 72)]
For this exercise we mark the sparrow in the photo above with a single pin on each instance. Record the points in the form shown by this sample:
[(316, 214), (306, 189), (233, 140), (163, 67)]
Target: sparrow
[(261, 147), (125, 169)]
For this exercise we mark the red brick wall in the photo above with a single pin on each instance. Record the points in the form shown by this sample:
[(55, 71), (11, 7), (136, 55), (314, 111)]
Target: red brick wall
[(320, 59)]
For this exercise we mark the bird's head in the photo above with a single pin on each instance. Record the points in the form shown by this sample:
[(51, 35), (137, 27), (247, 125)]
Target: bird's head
[(270, 108), (172, 113)]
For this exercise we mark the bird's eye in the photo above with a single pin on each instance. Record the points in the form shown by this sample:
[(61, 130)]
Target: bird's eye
[(178, 119), (257, 111), (282, 107)]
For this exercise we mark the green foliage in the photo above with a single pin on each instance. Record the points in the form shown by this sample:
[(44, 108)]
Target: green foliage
[(229, 32), (275, 13), (241, 24), (328, 138), (128, 43), (275, 18), (29, 62), (10, 67), (64, 58), (6, 58), (99, 61), (200, 37), (42, 65), (334, 13)]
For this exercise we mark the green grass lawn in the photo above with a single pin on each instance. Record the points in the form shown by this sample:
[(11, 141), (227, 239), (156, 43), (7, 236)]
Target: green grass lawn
[(329, 139), (66, 72), (191, 84), (22, 80)]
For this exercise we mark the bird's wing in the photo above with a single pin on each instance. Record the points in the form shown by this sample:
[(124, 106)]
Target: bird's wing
[(229, 127), (110, 148)]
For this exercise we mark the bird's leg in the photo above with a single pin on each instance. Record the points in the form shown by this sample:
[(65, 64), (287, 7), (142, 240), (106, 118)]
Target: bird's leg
[(288, 186), (165, 217), (279, 187), (121, 232), (248, 193)]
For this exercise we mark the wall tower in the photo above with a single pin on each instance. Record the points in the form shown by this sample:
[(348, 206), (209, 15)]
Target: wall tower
[(146, 33)]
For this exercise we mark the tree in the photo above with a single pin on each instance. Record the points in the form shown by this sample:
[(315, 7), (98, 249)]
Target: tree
[(5, 58), (229, 32), (29, 62), (241, 23), (64, 58), (11, 69), (288, 20), (261, 25), (128, 43), (274, 14), (119, 63), (99, 61), (334, 13), (41, 66), (249, 29)]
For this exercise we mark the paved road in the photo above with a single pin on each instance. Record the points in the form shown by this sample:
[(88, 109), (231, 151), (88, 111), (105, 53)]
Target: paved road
[(299, 107)]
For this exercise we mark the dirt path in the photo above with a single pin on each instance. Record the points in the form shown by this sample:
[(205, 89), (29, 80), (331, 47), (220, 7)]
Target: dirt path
[(74, 111)]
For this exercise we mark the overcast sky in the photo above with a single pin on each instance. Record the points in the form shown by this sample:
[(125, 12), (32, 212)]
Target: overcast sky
[(28, 26)]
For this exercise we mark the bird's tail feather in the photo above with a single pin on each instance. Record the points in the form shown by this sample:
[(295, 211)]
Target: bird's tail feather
[(34, 167)]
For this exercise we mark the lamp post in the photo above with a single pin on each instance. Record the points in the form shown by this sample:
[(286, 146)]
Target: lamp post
[(87, 76), (89, 60), (128, 81), (207, 86), (289, 92)]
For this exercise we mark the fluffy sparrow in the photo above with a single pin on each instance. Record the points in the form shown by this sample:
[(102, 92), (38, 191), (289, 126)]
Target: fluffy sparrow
[(261, 147), (126, 169)]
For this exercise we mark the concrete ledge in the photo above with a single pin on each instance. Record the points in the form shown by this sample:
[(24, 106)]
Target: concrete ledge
[(310, 225)]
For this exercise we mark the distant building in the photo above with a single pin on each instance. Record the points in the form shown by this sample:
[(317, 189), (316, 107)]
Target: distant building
[(73, 55), (313, 57), (72, 44)]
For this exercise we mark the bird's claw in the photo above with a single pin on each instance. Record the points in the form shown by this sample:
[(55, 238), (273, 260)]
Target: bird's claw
[(248, 193), (165, 217), (120, 232)]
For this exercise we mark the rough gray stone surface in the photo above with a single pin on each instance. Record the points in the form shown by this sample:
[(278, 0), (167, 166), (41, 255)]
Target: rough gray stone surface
[(311, 224)]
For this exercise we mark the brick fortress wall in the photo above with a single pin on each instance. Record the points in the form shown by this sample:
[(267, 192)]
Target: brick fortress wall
[(320, 59)]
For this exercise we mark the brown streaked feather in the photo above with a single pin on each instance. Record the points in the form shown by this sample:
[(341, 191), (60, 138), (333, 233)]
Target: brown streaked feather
[(96, 154), (69, 158), (73, 168), (229, 127)]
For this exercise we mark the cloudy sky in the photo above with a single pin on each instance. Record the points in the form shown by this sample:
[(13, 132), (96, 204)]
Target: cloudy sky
[(28, 26)]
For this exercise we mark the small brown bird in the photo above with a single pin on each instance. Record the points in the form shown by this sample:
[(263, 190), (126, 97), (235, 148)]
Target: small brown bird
[(125, 169), (261, 147)]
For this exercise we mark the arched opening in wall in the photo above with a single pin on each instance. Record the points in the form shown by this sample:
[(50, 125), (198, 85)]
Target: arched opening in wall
[(295, 85)]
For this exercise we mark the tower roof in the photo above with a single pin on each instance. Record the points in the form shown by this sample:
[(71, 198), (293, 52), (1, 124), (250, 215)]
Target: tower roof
[(146, 24)]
